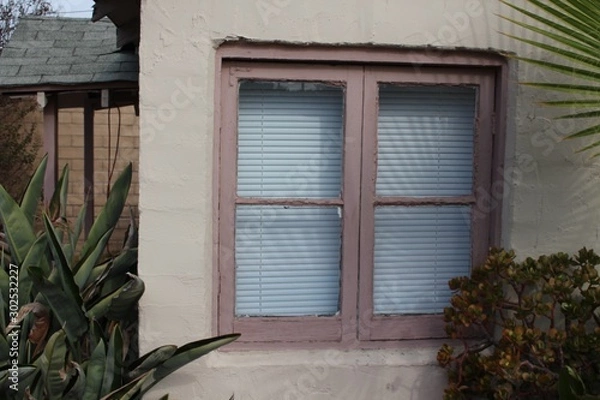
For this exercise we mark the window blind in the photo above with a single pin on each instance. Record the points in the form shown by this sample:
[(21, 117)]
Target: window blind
[(287, 260), (289, 140), (425, 149), (289, 146), (425, 137), (418, 249)]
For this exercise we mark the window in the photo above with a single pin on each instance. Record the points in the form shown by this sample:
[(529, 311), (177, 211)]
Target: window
[(349, 194)]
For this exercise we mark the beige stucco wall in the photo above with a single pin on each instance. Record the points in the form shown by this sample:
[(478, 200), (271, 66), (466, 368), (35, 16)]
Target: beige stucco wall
[(551, 200)]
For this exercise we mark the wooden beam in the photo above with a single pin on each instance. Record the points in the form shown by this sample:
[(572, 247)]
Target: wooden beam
[(50, 146), (118, 98), (21, 90), (71, 100), (88, 163)]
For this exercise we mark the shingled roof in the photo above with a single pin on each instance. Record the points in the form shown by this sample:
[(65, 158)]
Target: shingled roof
[(46, 51)]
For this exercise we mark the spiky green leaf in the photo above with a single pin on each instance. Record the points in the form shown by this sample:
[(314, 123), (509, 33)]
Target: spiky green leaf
[(61, 263), (3, 348), (84, 267), (192, 351), (4, 278), (150, 361), (33, 191), (76, 233), (95, 373), (19, 232), (115, 348), (129, 391), (24, 372), (63, 306), (53, 361), (75, 380), (58, 202), (35, 258), (119, 303), (186, 354), (110, 213)]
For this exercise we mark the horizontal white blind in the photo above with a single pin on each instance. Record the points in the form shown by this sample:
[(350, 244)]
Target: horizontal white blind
[(289, 146), (418, 250), (287, 260), (425, 141), (289, 140)]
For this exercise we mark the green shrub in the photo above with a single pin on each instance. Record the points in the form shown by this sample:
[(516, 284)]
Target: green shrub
[(19, 143), (521, 324), (68, 312)]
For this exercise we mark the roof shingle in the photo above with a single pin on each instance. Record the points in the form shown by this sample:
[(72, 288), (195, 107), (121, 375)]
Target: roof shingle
[(65, 51)]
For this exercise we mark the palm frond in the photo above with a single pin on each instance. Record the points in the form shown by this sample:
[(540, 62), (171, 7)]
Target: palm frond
[(573, 103), (565, 87), (569, 30), (590, 114)]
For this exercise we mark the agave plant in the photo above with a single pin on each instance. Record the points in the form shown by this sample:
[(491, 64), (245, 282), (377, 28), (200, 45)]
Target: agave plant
[(68, 332), (570, 28)]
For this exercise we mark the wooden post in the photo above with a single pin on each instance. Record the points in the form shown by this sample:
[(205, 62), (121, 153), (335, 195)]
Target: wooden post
[(88, 163), (50, 145)]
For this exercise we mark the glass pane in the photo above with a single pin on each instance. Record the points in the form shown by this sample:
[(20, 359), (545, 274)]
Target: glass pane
[(290, 140), (425, 141), (287, 260), (417, 251)]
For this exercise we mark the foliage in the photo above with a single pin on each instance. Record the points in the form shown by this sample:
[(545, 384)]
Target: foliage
[(19, 143), (11, 10), (567, 29), (520, 324), (75, 323), (571, 387)]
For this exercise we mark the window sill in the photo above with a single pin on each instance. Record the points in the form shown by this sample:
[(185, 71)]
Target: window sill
[(423, 347)]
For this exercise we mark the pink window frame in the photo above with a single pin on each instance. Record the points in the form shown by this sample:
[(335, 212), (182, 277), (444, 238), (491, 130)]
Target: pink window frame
[(355, 326), (373, 327), (294, 329)]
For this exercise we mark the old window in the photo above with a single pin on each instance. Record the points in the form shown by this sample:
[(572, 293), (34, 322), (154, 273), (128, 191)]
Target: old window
[(348, 196)]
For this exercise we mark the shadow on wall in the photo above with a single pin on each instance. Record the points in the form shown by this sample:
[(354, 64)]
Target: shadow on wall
[(315, 382), (556, 206)]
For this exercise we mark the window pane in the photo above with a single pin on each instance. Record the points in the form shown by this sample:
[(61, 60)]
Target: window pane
[(425, 141), (287, 260), (417, 251), (290, 140)]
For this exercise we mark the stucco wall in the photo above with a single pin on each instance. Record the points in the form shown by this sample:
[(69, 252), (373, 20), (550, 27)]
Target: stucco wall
[(550, 203)]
